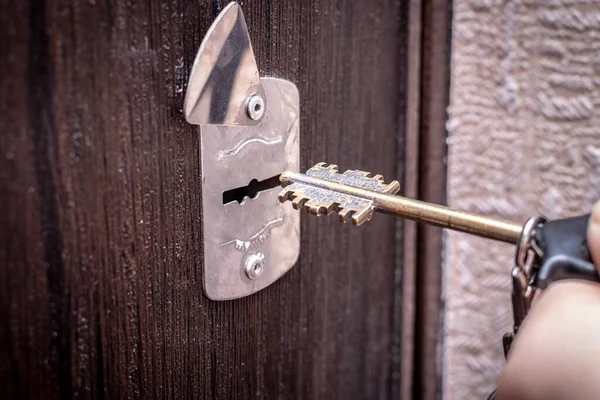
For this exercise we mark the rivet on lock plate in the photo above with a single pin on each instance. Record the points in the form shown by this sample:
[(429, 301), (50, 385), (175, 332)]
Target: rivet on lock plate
[(249, 135)]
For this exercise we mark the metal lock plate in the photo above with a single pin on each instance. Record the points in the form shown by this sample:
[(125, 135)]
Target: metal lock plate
[(249, 135)]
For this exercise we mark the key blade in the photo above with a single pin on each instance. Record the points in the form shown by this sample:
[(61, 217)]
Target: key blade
[(356, 194), (315, 192)]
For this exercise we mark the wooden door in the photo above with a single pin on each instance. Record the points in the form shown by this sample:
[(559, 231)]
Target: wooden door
[(100, 255)]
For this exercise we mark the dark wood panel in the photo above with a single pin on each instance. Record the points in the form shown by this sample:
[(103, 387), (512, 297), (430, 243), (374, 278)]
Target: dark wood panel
[(100, 262), (435, 81), (408, 169)]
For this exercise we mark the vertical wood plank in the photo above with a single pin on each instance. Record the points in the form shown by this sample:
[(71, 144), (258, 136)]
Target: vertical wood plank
[(409, 115), (100, 262), (432, 188)]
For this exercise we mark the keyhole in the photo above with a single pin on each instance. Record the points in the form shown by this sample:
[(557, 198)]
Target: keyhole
[(252, 190)]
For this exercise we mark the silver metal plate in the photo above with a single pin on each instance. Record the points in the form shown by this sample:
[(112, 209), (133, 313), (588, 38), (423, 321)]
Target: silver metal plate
[(261, 228), (249, 131)]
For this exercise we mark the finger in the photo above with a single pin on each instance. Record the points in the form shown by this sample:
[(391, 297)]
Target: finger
[(593, 234), (555, 353)]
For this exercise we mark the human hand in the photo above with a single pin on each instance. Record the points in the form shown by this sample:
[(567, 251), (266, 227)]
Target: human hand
[(556, 354)]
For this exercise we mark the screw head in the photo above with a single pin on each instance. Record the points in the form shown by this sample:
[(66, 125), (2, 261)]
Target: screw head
[(255, 107), (255, 265)]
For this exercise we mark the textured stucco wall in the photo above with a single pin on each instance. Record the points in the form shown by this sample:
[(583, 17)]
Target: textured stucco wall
[(524, 139)]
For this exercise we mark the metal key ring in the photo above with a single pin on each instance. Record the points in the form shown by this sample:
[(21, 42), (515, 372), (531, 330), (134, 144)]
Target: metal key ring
[(525, 242)]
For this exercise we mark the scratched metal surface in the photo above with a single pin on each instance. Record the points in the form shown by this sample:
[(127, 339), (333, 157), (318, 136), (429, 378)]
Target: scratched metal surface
[(236, 233), (523, 140)]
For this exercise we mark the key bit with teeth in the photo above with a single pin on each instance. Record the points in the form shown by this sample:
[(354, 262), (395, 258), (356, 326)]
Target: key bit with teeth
[(318, 200), (357, 194)]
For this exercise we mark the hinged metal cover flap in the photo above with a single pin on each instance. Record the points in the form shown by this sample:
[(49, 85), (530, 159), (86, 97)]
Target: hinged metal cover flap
[(249, 135)]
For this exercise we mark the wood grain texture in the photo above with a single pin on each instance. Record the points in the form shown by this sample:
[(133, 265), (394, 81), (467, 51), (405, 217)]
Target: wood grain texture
[(100, 262), (523, 141), (410, 118), (432, 188)]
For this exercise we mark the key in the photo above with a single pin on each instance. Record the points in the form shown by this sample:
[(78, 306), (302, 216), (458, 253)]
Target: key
[(357, 194), (546, 250)]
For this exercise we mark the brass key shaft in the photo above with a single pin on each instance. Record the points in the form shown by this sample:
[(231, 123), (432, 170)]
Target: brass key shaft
[(416, 210)]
